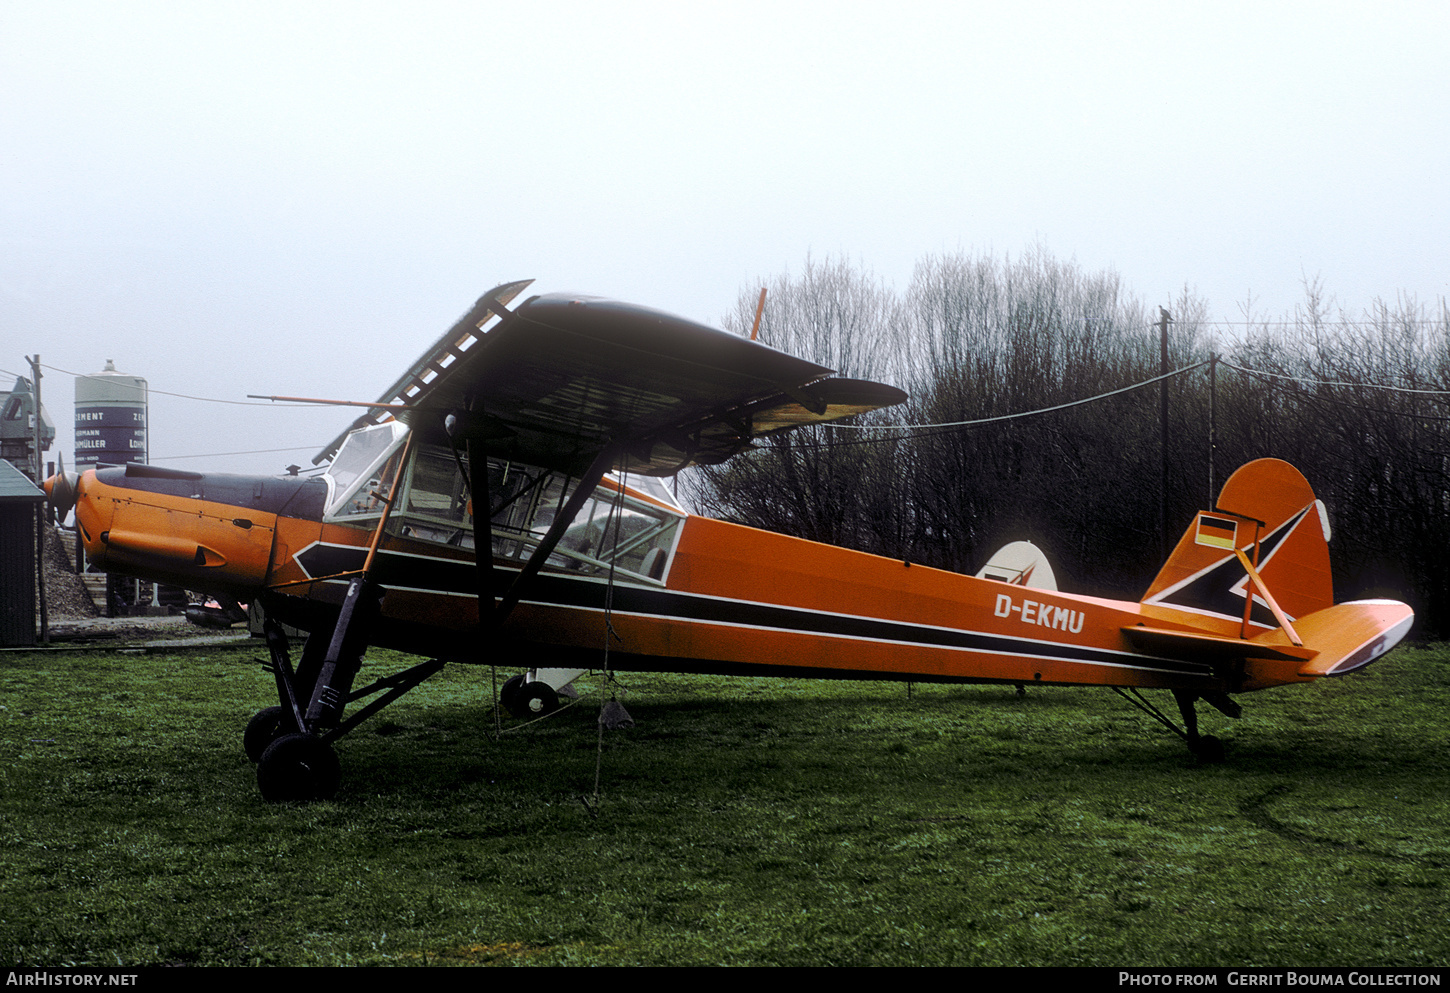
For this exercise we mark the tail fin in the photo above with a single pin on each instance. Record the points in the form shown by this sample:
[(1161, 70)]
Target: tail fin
[(1267, 515), (1267, 510)]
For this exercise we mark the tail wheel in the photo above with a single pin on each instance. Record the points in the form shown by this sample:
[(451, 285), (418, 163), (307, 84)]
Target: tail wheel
[(298, 768), (534, 699), (1209, 750)]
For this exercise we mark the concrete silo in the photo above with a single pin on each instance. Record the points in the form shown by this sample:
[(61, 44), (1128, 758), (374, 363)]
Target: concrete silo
[(110, 418)]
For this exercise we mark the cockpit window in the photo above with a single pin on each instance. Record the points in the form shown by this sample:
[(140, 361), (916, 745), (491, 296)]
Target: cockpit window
[(653, 486), (633, 536), (618, 531)]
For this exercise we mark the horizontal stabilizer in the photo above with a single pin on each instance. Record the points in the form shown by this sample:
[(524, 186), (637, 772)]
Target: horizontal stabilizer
[(1351, 635), (1195, 646), (1337, 640)]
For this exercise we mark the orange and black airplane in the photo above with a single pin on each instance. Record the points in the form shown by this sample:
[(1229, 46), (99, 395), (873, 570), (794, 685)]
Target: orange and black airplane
[(559, 415)]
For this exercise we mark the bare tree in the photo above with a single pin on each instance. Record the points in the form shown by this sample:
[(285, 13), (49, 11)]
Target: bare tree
[(816, 483), (1357, 403)]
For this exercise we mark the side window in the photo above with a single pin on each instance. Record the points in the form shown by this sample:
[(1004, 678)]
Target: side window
[(629, 534), (637, 539), (437, 507)]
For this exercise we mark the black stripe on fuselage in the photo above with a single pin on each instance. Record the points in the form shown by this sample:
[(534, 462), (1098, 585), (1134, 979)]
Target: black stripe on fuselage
[(458, 578)]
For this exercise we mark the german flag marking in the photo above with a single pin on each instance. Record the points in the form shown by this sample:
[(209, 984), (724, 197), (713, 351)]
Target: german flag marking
[(1216, 531)]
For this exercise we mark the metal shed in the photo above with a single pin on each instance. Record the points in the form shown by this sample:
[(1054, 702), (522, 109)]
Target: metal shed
[(18, 500)]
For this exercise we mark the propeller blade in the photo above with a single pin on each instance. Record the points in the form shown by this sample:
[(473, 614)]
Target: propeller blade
[(61, 489)]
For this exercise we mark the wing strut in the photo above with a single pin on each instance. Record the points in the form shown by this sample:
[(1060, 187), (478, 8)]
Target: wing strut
[(582, 492), (491, 616), (349, 636), (478, 493)]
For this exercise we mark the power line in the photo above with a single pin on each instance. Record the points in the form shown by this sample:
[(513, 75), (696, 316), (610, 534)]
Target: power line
[(218, 455), (184, 396), (929, 428), (926, 430), (1323, 382), (1300, 322), (1337, 402)]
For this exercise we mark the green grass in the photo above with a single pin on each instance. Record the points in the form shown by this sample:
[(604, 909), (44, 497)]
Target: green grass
[(743, 821)]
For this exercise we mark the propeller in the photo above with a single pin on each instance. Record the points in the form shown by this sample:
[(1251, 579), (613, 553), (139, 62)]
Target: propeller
[(61, 490)]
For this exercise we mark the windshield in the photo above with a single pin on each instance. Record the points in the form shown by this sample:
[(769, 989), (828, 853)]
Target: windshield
[(358, 466), (652, 486)]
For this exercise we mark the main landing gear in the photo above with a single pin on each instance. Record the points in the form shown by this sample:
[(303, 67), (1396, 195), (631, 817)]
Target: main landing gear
[(292, 742), (1206, 748), (538, 691), (290, 765)]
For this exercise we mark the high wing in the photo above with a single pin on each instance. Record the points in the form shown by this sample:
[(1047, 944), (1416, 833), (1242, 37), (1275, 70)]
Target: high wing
[(558, 379)]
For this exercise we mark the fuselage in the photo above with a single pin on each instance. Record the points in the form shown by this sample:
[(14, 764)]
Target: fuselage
[(689, 594)]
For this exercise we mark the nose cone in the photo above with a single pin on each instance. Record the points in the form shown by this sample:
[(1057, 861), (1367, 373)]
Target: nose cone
[(60, 490)]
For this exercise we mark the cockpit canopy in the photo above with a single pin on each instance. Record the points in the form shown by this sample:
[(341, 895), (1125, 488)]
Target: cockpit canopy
[(628, 529)]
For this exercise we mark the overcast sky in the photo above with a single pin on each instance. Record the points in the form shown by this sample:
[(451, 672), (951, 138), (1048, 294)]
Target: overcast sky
[(299, 197)]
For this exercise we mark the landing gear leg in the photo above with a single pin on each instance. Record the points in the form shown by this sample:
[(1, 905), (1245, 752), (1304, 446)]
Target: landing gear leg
[(344, 653), (293, 691), (1206, 748)]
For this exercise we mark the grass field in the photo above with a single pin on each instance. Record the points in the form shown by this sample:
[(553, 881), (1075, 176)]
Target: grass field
[(742, 821)]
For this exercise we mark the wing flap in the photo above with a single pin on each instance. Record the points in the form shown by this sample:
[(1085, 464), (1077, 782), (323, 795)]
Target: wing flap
[(829, 399)]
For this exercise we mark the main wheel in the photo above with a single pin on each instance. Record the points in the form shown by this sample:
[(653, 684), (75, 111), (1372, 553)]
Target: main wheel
[(508, 694), (298, 768), (534, 699), (265, 727)]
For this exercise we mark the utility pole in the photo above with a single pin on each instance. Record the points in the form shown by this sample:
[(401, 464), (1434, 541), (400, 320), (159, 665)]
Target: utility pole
[(1212, 424), (41, 509), (1163, 319)]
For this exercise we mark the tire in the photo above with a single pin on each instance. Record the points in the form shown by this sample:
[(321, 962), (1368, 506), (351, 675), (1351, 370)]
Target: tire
[(265, 727), (298, 768), (535, 699), (508, 694), (1210, 750)]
